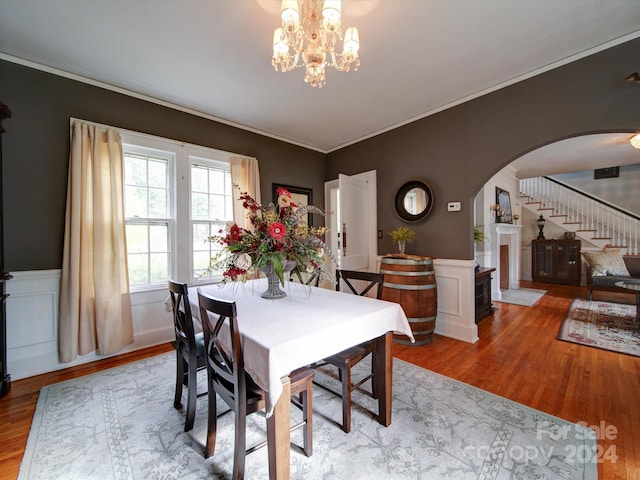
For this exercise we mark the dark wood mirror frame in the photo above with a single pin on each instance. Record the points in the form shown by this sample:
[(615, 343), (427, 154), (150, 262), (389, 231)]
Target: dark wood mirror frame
[(399, 203)]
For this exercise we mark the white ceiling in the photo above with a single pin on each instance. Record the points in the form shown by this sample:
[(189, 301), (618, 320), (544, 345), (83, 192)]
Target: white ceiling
[(214, 57)]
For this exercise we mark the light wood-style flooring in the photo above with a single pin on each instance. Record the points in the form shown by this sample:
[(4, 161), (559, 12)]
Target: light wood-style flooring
[(517, 357)]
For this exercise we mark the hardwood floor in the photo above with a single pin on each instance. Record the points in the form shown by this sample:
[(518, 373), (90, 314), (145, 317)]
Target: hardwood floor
[(517, 357)]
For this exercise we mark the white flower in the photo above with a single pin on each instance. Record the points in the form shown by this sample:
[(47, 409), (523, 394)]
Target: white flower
[(310, 268), (320, 252), (243, 261)]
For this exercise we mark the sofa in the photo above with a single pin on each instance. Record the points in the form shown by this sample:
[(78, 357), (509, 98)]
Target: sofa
[(604, 269)]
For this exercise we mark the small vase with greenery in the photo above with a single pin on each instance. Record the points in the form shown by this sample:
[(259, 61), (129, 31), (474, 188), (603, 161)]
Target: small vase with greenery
[(402, 235)]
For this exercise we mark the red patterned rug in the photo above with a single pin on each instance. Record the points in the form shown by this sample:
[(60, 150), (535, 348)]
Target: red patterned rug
[(606, 325)]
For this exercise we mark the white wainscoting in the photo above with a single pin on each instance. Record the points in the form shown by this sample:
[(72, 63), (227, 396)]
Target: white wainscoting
[(32, 323), (32, 316), (455, 280)]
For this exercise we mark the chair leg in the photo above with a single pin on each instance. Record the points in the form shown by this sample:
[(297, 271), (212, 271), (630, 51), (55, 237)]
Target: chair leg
[(192, 396), (307, 417), (346, 399), (212, 419), (240, 444), (177, 399)]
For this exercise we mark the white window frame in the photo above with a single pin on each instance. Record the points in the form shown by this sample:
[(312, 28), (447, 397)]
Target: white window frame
[(180, 246)]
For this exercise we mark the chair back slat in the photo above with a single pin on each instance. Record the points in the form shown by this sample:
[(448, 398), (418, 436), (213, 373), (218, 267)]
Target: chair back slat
[(182, 319), (371, 280)]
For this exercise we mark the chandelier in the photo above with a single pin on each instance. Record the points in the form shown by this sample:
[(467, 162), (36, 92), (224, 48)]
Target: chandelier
[(635, 140), (309, 32)]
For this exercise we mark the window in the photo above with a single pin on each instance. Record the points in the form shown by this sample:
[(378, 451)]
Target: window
[(147, 201), (176, 196), (211, 208)]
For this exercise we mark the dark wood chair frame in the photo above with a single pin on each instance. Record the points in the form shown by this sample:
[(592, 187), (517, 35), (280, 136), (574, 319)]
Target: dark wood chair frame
[(347, 359), (190, 354), (227, 377)]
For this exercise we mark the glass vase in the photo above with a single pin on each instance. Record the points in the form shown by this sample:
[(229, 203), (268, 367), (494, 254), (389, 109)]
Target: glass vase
[(401, 245)]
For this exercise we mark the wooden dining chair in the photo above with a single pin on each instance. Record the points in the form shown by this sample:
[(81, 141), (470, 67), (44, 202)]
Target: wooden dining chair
[(309, 279), (190, 353), (359, 283), (227, 377)]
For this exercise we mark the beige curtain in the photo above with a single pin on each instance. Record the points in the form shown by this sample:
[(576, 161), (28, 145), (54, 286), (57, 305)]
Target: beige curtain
[(245, 174), (95, 305)]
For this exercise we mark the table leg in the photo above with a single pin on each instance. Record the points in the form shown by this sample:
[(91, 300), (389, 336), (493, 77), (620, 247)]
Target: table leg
[(279, 435), (383, 376)]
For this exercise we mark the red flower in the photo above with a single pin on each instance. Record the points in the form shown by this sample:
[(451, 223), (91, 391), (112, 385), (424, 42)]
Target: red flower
[(283, 191), (277, 230), (234, 232)]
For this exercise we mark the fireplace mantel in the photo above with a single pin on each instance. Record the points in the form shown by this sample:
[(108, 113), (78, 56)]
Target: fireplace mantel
[(512, 234)]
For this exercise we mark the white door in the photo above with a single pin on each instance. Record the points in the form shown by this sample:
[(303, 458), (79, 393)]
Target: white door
[(351, 207), (354, 223)]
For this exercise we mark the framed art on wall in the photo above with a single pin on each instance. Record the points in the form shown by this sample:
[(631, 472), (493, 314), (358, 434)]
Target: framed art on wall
[(504, 203), (299, 195)]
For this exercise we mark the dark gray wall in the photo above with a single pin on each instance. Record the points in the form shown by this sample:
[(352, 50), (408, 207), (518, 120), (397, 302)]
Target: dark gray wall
[(36, 154), (458, 150), (455, 151)]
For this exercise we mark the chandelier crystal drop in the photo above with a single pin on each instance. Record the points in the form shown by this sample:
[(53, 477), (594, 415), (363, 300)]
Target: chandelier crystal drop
[(308, 36)]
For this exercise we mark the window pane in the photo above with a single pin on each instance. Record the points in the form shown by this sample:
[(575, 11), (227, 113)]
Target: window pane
[(200, 235), (135, 171), (199, 206), (217, 207), (158, 173), (159, 241), (138, 269), (157, 203), (158, 267), (137, 240), (216, 181), (199, 179), (135, 202), (200, 263)]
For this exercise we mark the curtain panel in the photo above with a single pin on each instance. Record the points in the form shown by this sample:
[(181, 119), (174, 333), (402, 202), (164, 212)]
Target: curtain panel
[(95, 305), (246, 175)]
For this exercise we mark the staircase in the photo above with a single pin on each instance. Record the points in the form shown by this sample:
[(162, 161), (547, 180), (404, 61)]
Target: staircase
[(594, 221)]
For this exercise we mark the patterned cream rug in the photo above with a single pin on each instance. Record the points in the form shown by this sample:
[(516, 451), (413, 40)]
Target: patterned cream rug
[(121, 424), (606, 325)]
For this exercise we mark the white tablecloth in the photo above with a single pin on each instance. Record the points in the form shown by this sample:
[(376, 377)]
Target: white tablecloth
[(309, 324)]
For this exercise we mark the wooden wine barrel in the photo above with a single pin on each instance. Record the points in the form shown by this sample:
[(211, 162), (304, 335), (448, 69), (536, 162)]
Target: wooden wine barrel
[(410, 280)]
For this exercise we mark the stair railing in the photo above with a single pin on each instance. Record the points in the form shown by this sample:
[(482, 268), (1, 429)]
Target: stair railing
[(590, 216)]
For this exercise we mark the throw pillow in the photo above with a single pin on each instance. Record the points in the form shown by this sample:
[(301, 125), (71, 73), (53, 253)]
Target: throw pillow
[(605, 263)]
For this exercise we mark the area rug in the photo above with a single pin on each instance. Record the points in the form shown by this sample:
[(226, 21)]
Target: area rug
[(121, 424), (522, 296), (606, 325)]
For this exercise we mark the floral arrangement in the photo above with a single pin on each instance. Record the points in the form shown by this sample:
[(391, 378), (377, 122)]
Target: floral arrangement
[(277, 239)]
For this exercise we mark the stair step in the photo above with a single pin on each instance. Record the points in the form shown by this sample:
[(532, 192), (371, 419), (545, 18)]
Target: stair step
[(587, 230), (572, 223), (557, 215)]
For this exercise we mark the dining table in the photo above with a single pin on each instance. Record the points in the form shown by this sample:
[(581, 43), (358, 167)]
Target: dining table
[(306, 326)]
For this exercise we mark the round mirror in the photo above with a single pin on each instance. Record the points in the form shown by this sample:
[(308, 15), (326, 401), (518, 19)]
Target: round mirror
[(414, 201)]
